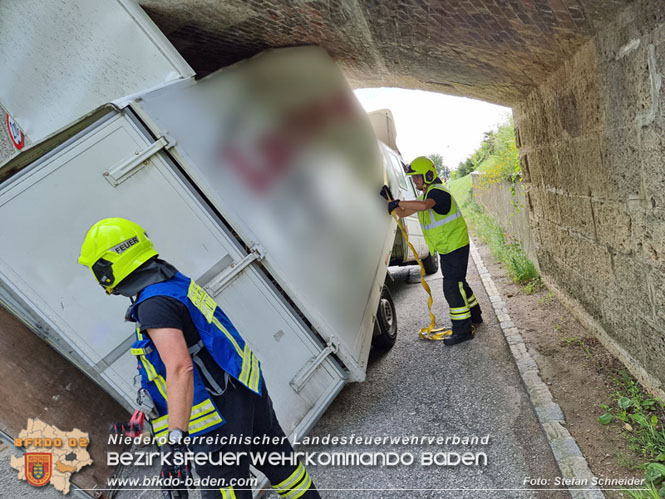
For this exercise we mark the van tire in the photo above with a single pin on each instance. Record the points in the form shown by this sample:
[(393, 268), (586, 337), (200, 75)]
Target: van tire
[(431, 264), (386, 322)]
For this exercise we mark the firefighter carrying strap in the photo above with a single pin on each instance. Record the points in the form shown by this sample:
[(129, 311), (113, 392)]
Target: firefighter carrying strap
[(213, 388), (430, 332)]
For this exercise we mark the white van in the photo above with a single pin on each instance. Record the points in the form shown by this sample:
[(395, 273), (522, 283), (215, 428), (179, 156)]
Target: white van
[(402, 188)]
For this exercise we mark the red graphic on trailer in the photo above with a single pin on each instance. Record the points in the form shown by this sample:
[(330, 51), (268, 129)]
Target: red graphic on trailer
[(15, 133)]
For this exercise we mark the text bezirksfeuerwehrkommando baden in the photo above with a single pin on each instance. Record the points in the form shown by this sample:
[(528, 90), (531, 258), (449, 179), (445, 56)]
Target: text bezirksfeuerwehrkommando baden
[(351, 457)]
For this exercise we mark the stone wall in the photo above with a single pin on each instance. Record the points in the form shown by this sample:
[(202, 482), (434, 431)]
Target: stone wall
[(592, 147), (509, 211)]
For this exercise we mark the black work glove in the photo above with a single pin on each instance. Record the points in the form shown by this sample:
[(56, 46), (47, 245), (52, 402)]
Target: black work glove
[(386, 194), (392, 205), (177, 473)]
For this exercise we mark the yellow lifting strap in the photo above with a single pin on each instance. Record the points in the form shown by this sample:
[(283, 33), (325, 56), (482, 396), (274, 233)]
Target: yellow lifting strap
[(430, 332)]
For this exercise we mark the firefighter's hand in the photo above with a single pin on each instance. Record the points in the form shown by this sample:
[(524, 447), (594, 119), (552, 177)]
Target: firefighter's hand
[(386, 194), (175, 470), (392, 205)]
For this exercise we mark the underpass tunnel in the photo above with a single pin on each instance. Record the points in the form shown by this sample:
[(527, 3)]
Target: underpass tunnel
[(583, 78), (584, 81)]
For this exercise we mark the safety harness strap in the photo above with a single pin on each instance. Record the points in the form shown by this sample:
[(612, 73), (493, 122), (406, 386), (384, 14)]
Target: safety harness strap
[(214, 388)]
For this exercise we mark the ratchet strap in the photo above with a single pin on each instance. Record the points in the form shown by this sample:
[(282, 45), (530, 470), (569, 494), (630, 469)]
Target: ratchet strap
[(430, 332)]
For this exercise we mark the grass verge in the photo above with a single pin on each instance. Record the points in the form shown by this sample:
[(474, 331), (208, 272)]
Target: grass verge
[(510, 253), (642, 422), (634, 414)]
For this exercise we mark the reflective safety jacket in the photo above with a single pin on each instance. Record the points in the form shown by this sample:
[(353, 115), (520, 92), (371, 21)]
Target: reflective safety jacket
[(443, 233), (218, 336)]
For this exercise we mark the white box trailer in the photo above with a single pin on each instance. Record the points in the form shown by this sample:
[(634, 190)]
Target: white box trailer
[(63, 59), (259, 181)]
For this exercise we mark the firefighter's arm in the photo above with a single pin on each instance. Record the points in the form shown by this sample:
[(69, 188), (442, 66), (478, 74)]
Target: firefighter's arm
[(407, 208), (172, 348)]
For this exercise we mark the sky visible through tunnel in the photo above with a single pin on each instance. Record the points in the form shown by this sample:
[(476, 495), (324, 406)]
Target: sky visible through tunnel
[(429, 122)]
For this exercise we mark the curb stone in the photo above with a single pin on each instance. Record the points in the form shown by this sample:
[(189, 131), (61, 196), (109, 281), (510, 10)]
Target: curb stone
[(566, 452)]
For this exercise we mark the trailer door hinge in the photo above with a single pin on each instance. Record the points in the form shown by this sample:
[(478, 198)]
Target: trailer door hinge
[(219, 282), (124, 169)]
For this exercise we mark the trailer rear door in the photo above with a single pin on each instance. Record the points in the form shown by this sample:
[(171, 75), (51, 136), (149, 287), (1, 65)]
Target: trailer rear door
[(114, 168)]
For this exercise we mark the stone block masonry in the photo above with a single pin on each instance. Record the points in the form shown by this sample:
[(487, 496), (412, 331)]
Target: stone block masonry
[(596, 172)]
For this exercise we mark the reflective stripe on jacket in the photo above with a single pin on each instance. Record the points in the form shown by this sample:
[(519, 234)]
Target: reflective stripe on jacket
[(443, 233), (219, 337)]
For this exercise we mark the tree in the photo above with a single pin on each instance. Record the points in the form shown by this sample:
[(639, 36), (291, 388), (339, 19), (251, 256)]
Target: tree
[(465, 167), (441, 169), (497, 155)]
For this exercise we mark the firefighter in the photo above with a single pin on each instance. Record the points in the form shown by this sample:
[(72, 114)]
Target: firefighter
[(203, 378), (445, 232)]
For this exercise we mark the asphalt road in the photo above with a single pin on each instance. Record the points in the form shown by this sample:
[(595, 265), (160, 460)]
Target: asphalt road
[(419, 389), (423, 388)]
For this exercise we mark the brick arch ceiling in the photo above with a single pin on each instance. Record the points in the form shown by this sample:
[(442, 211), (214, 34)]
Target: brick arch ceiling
[(494, 50)]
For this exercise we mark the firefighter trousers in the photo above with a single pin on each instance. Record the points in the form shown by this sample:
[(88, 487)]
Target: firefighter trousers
[(464, 308), (251, 432)]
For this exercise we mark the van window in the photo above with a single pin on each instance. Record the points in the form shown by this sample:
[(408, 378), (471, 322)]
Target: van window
[(399, 171), (412, 187), (390, 171)]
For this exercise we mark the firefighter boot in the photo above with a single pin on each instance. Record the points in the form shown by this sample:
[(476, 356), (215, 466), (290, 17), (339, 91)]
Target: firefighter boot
[(476, 316), (458, 337)]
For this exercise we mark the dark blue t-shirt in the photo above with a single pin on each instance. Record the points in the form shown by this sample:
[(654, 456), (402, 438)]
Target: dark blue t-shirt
[(442, 200), (166, 312)]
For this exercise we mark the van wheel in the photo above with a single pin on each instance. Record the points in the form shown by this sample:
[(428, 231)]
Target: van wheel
[(386, 322), (431, 264)]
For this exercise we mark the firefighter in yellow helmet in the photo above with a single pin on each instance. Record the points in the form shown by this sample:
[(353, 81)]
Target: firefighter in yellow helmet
[(198, 374), (446, 233)]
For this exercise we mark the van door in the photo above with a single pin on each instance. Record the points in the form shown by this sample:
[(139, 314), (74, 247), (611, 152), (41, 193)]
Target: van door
[(115, 169), (406, 192)]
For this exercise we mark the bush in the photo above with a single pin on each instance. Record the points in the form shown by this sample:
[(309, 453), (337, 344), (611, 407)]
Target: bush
[(497, 156)]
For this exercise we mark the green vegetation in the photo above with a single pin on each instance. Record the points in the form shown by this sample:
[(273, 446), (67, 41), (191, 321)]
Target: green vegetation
[(510, 253), (546, 299), (498, 159), (461, 190), (442, 170), (578, 342), (650, 493), (642, 419), (533, 286), (497, 156)]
